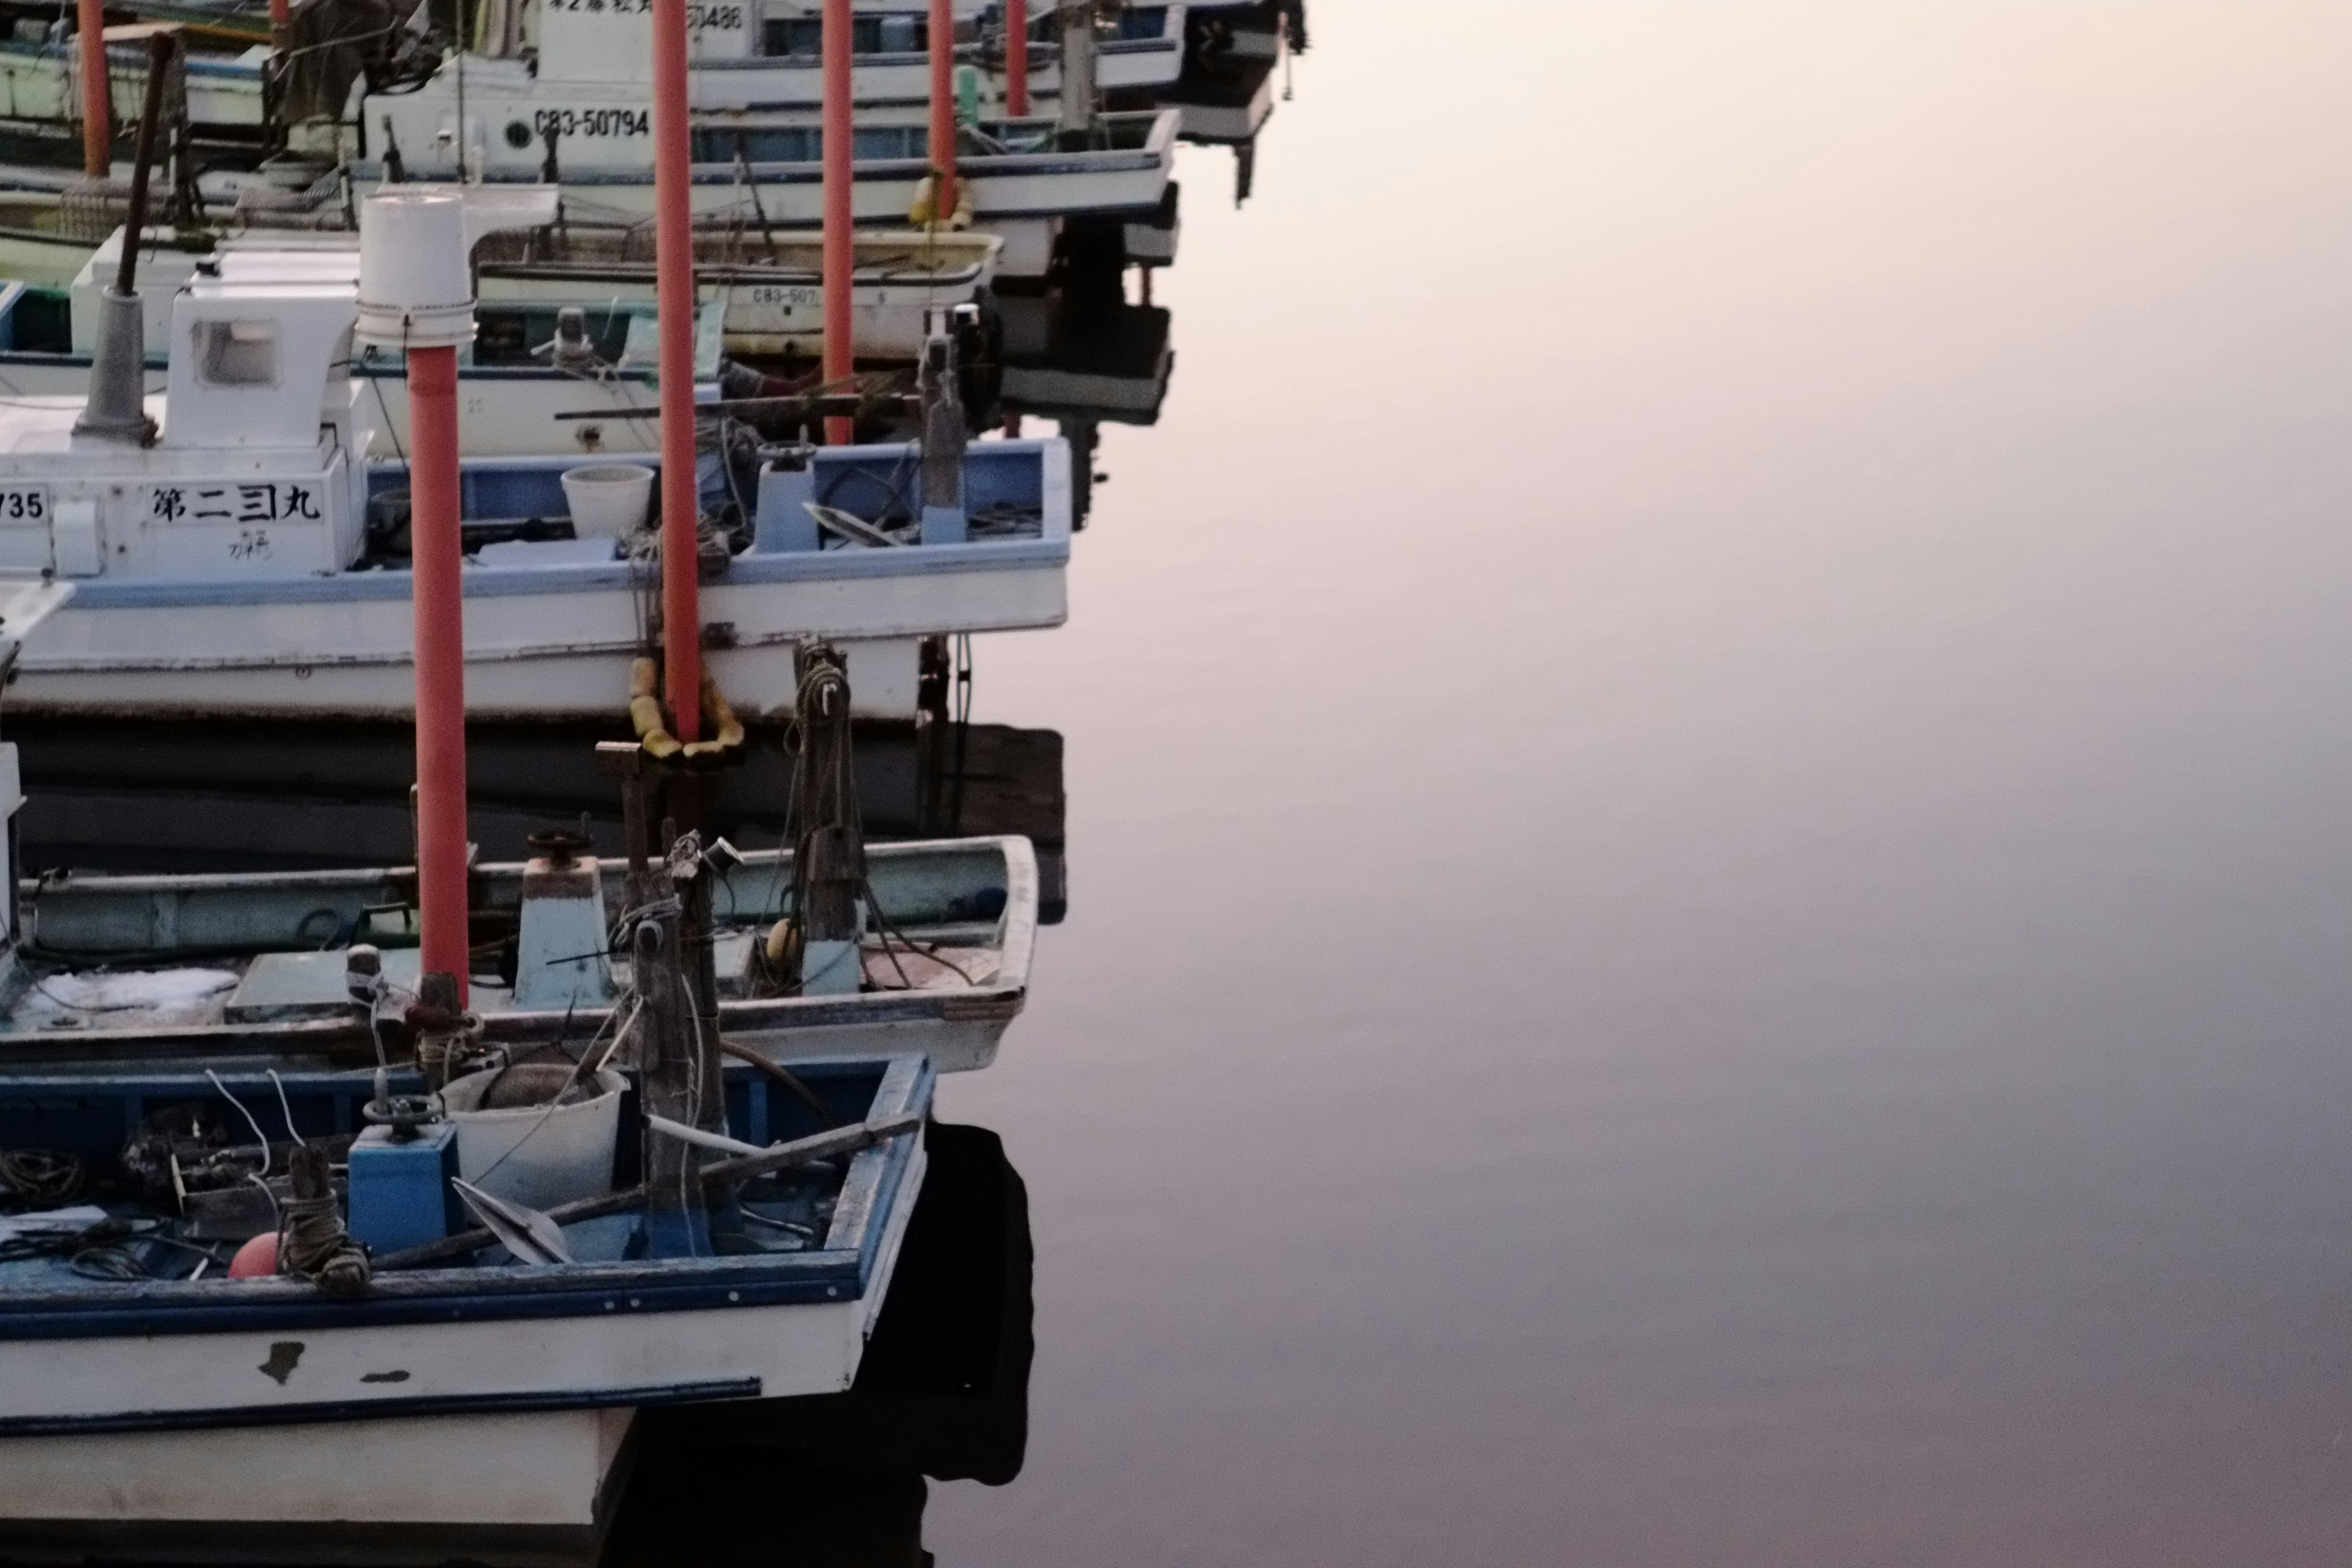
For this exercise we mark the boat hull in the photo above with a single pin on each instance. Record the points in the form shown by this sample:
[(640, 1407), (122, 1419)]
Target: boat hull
[(443, 1400), (542, 642), (608, 175), (549, 655)]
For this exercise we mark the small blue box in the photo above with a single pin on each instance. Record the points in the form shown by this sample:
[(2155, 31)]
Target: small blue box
[(400, 1191)]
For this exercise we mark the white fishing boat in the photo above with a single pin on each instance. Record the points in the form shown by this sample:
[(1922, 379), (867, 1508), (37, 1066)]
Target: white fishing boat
[(759, 54), (766, 56), (762, 300), (250, 559), (40, 84), (756, 167), (466, 1255)]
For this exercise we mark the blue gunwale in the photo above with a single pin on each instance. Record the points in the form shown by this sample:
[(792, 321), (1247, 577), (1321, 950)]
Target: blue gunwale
[(484, 1294), (314, 1412), (752, 568)]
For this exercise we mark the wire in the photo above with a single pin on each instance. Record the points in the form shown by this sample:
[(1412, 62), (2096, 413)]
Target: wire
[(281, 1085), (259, 1137)]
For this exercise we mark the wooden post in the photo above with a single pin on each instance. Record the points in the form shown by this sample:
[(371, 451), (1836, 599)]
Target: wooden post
[(97, 113), (943, 113), (1016, 58), (437, 554), (681, 510), (840, 171), (669, 1057)]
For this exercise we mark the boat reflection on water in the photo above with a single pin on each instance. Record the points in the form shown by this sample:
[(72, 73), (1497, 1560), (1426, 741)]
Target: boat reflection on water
[(227, 796), (840, 1481)]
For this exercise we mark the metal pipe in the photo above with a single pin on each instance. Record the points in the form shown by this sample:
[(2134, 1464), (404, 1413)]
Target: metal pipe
[(1076, 121), (159, 66), (943, 113), (840, 171), (116, 409), (1016, 58), (97, 113), (437, 554), (681, 511)]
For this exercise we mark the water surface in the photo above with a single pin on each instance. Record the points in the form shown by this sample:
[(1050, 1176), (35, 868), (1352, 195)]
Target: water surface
[(1707, 763)]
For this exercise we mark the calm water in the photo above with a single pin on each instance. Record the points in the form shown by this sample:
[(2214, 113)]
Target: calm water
[(1708, 764)]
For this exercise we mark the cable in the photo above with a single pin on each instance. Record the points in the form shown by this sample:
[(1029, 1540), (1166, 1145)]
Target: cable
[(258, 1136), (288, 1110)]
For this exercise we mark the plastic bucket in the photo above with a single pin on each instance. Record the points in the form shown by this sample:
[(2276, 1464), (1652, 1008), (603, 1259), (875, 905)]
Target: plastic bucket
[(531, 1154), (608, 500)]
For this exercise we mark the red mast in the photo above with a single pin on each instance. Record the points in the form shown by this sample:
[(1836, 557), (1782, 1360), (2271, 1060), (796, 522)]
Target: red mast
[(944, 115), (1016, 58), (840, 357), (681, 510)]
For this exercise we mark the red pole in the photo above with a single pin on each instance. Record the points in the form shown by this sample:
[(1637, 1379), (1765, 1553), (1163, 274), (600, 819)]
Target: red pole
[(943, 116), (97, 113), (1016, 58), (840, 356), (681, 510), (436, 552)]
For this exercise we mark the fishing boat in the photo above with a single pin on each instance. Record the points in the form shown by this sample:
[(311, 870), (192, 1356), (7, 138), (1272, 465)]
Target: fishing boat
[(252, 561), (254, 968), (210, 795), (754, 167), (526, 380), (284, 1271), (744, 56), (766, 56), (432, 1328)]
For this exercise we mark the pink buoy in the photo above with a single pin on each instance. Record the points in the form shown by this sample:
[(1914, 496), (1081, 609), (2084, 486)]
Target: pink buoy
[(257, 1260)]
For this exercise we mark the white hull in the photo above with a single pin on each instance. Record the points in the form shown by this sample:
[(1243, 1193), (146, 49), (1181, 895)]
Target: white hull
[(523, 1469), (495, 1423), (545, 655), (603, 158), (275, 1430), (39, 83)]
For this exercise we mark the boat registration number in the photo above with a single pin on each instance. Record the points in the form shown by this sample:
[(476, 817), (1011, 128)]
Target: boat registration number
[(789, 297), (594, 121), (26, 504)]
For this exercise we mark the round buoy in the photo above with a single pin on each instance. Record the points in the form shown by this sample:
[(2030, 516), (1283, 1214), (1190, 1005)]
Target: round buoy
[(257, 1260)]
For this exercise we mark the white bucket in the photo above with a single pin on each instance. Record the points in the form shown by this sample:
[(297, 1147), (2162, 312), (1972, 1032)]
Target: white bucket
[(608, 500), (529, 1154)]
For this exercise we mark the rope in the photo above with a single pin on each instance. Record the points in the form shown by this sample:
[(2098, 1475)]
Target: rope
[(37, 1178), (312, 1241)]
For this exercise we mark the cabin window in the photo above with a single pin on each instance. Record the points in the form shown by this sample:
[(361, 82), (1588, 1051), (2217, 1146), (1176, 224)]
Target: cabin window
[(238, 353), (805, 143), (804, 37)]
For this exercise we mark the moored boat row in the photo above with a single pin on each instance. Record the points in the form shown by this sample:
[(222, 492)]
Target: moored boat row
[(652, 375)]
